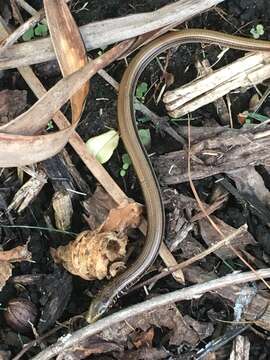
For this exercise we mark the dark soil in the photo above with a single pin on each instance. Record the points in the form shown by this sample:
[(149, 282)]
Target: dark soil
[(234, 17)]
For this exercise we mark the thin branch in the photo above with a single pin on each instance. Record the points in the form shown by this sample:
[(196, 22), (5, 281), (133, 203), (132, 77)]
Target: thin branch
[(184, 294), (103, 33)]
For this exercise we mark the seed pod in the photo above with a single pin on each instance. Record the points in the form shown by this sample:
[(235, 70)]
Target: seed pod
[(20, 314)]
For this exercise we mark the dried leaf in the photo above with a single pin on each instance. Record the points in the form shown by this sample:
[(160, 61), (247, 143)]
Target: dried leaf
[(126, 215), (103, 146), (18, 146), (144, 339), (91, 254), (19, 253), (5, 273), (69, 48), (92, 345), (97, 207), (167, 316)]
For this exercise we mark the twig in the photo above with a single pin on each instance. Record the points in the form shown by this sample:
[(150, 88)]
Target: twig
[(203, 254), (103, 33), (148, 305)]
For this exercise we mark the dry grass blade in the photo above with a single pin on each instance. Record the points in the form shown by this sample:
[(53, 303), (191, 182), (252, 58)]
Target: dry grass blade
[(68, 47)]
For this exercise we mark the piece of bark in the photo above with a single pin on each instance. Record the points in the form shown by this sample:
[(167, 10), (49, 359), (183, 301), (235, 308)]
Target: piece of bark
[(228, 151), (56, 290), (247, 71), (28, 192), (251, 185), (241, 347), (103, 33), (63, 210)]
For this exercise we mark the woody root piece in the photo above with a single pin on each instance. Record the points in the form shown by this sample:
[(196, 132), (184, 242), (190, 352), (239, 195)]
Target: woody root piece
[(247, 71)]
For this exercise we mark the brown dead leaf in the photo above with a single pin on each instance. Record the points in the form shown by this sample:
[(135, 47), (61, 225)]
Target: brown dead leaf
[(126, 215), (144, 354), (210, 237), (97, 207), (101, 211), (85, 349), (19, 253), (19, 146), (167, 316), (5, 355), (5, 273), (144, 339), (91, 254), (69, 48)]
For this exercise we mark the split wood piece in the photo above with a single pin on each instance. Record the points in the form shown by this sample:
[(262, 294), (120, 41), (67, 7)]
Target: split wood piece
[(219, 153), (93, 165), (204, 69), (103, 33), (250, 70)]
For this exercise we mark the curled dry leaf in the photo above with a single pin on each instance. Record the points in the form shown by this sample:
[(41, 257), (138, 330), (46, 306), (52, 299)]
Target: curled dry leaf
[(126, 215), (92, 254), (5, 273), (19, 253), (69, 48), (167, 316), (18, 136), (98, 254)]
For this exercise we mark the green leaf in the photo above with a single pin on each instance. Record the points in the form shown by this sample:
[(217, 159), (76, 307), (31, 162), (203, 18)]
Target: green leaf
[(260, 29), (125, 166), (145, 137), (28, 35), (103, 146), (257, 117), (257, 31), (122, 172), (141, 90), (41, 30), (142, 119), (126, 159)]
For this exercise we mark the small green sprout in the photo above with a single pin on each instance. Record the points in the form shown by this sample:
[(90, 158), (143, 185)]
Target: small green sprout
[(257, 31), (141, 90), (50, 125), (40, 30), (126, 162), (145, 137)]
